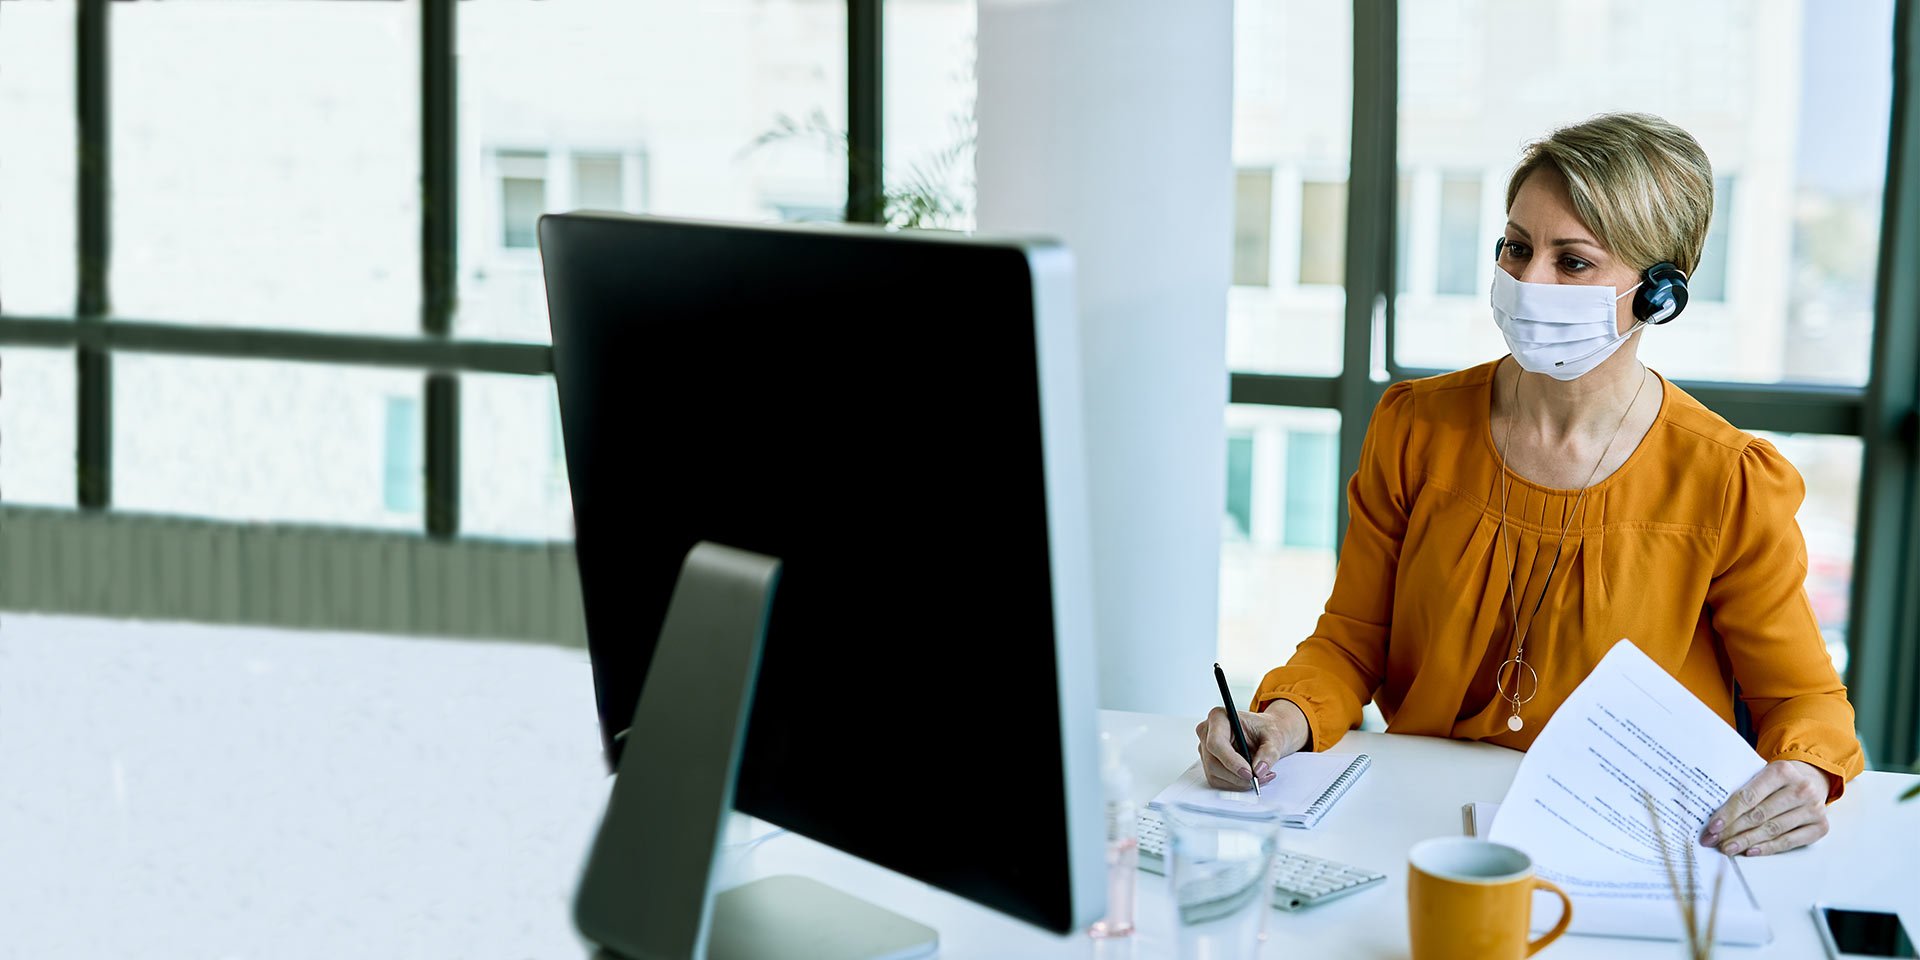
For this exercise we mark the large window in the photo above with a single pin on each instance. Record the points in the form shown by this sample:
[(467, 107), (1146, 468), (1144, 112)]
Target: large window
[(284, 188), (365, 203)]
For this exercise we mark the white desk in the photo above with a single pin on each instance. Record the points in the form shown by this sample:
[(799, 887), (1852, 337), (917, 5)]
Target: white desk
[(1413, 791), (179, 790)]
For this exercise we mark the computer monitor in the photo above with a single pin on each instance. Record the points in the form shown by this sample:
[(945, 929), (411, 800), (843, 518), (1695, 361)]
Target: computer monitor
[(895, 417)]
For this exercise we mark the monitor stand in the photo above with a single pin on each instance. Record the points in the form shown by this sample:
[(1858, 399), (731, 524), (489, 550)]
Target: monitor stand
[(793, 916), (645, 889)]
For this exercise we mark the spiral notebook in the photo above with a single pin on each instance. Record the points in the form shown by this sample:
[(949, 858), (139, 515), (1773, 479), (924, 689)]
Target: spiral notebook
[(1305, 787)]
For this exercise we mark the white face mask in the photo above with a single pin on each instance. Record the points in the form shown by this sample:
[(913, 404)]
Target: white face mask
[(1560, 329)]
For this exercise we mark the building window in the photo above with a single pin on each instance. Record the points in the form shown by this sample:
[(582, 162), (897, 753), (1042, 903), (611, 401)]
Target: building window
[(1252, 226), (597, 182), (1402, 215), (1323, 232), (1240, 485), (404, 473), (1312, 480), (1460, 253), (523, 196), (1709, 280)]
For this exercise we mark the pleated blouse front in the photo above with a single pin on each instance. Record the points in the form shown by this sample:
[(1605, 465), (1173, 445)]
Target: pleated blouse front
[(1690, 549)]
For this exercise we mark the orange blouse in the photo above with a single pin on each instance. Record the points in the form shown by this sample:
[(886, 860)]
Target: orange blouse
[(1690, 549)]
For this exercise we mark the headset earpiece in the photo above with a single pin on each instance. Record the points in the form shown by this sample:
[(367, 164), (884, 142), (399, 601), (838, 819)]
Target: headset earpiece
[(1499, 243), (1662, 294)]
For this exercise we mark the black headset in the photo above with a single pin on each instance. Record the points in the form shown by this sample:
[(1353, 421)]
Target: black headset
[(1662, 294)]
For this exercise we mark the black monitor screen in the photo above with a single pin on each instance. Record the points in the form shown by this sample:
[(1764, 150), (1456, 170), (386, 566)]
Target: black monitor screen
[(864, 408)]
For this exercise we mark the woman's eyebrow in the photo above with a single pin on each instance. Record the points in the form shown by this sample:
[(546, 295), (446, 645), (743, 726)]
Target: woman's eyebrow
[(1561, 242)]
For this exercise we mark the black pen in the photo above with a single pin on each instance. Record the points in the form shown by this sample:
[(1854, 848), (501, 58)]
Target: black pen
[(1239, 735)]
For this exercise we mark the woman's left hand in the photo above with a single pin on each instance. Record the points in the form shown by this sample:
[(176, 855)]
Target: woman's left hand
[(1784, 806)]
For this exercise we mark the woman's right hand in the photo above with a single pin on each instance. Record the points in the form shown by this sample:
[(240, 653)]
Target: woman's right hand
[(1281, 730)]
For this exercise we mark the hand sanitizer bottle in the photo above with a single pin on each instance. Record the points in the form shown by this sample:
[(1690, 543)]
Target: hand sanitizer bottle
[(1123, 843)]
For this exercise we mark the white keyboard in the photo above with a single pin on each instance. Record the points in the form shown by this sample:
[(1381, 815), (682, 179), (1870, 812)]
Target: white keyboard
[(1300, 880)]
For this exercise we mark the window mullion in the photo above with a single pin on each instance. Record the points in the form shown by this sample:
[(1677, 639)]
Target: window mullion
[(1883, 670), (1370, 191), (865, 186), (437, 252), (94, 449)]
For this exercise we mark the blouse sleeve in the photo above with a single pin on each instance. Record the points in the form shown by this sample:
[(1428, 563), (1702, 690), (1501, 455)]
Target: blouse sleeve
[(1758, 602), (1334, 672)]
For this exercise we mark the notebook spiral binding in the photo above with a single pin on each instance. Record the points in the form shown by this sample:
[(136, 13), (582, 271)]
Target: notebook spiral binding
[(1339, 785)]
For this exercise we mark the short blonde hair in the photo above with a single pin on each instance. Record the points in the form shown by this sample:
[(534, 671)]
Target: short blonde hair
[(1641, 184)]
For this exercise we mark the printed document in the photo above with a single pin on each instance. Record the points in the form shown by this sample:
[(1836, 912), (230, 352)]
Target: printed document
[(1576, 805)]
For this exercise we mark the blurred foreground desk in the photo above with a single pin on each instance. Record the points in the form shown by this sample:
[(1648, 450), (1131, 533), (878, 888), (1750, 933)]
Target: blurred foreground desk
[(181, 790), (1413, 791)]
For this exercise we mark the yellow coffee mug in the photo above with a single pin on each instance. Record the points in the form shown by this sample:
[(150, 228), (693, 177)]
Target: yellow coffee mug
[(1469, 899)]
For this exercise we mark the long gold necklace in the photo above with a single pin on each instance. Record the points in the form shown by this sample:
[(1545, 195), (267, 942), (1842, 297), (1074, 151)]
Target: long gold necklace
[(1508, 674)]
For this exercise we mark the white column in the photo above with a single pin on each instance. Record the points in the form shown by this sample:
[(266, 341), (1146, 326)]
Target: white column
[(1107, 124)]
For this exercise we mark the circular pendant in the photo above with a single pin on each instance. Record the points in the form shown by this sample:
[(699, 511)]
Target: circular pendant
[(1514, 724)]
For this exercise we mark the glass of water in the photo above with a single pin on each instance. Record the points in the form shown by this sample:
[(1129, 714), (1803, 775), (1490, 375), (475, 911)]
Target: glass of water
[(1220, 875)]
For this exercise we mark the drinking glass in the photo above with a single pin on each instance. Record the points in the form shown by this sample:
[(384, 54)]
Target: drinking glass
[(1220, 876)]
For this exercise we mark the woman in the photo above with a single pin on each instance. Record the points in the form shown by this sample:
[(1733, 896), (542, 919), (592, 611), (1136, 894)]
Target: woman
[(1511, 521)]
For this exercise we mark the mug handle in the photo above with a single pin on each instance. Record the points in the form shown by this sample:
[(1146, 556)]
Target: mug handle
[(1566, 916)]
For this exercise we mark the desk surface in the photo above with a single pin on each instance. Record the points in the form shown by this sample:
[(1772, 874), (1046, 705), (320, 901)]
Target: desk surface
[(176, 790), (1413, 791)]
